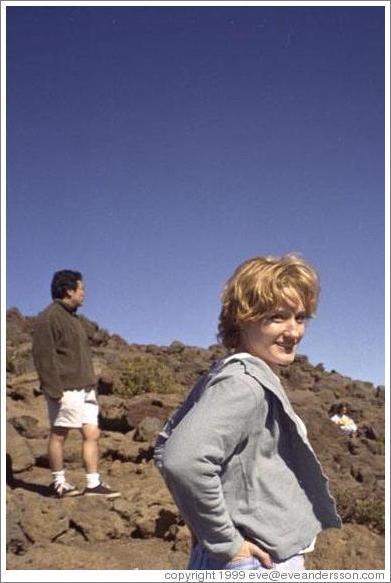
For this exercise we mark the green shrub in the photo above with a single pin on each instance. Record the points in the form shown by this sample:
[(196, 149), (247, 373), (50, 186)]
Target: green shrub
[(143, 374)]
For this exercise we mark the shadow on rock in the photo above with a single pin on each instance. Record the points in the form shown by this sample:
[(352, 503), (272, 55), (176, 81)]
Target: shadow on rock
[(14, 482)]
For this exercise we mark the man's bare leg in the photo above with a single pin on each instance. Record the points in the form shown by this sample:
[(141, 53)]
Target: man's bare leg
[(60, 486), (57, 439), (94, 486), (90, 449)]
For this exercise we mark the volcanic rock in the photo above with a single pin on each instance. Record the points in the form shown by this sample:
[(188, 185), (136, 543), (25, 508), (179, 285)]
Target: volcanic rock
[(143, 529)]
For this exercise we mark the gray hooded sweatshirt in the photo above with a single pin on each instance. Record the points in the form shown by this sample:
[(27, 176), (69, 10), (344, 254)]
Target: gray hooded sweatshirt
[(238, 464)]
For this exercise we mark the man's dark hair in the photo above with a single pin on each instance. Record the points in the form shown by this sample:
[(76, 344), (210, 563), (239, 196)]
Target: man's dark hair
[(63, 281)]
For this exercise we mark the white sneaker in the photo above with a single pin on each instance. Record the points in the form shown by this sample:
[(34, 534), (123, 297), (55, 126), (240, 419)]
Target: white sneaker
[(63, 490)]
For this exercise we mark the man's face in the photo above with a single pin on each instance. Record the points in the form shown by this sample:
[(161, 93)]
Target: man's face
[(75, 297)]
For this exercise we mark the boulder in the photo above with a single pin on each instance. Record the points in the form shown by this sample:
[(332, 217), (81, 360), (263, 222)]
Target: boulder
[(148, 429), (113, 413), (29, 379), (93, 518), (155, 521), (353, 547), (39, 449), (182, 538), (151, 405), (119, 447), (17, 542), (20, 393), (18, 451), (41, 518), (29, 427), (369, 432)]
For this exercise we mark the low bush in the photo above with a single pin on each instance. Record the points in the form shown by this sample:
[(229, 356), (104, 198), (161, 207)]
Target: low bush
[(143, 374), (355, 506)]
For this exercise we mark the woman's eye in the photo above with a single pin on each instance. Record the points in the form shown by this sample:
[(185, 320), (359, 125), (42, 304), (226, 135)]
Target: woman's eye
[(277, 318), (300, 319)]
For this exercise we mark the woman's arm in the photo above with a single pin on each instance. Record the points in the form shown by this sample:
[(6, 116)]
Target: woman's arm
[(194, 455)]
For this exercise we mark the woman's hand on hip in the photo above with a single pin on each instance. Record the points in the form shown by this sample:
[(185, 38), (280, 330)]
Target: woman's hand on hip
[(250, 549)]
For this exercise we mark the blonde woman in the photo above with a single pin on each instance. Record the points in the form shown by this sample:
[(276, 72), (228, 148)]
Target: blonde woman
[(235, 456)]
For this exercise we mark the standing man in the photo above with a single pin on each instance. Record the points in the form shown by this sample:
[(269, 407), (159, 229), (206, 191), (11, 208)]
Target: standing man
[(63, 361)]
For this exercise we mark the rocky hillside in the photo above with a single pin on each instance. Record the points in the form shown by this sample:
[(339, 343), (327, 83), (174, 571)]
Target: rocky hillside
[(139, 386)]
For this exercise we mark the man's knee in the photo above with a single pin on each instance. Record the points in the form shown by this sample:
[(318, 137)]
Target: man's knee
[(90, 432)]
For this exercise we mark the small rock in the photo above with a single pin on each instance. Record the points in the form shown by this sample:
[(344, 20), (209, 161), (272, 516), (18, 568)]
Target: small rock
[(148, 429), (28, 427), (20, 455)]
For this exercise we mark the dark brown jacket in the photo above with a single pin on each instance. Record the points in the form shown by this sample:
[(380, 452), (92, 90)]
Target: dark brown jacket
[(61, 351)]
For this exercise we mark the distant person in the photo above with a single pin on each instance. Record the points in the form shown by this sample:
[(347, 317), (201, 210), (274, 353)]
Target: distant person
[(342, 419), (63, 361), (235, 456)]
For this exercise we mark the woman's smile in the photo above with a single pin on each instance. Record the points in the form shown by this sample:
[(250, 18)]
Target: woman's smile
[(275, 337)]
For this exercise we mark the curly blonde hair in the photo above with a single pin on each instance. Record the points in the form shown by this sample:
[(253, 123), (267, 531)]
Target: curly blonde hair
[(259, 286)]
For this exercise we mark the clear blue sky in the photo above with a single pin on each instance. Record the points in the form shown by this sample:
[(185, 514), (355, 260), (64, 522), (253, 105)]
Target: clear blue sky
[(155, 148)]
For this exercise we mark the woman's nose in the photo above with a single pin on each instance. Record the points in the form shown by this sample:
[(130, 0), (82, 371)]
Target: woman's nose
[(293, 328)]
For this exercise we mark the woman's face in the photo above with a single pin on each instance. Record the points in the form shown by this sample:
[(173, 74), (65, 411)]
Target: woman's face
[(276, 337)]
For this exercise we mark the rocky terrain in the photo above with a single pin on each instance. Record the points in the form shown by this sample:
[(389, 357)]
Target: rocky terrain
[(139, 386)]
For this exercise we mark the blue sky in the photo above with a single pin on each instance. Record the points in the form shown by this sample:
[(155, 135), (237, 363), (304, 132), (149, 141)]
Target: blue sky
[(155, 148)]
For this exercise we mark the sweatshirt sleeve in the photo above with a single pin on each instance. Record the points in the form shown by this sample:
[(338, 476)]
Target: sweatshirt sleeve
[(45, 358), (194, 456)]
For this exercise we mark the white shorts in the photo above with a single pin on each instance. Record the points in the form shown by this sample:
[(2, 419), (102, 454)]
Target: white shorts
[(74, 409)]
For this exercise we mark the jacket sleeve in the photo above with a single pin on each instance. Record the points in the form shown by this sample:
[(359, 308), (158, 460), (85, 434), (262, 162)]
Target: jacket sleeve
[(45, 358), (194, 455)]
